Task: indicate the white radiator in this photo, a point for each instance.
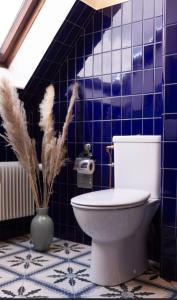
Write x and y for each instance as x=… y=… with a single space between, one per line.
x=16 y=198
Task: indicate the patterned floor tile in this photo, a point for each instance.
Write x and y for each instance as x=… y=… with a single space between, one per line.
x=27 y=262
x=63 y=272
x=152 y=276
x=28 y=289
x=6 y=276
x=7 y=248
x=128 y=290
x=68 y=249
x=84 y=259
x=69 y=277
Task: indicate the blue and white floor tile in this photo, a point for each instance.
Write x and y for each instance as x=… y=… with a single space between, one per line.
x=63 y=272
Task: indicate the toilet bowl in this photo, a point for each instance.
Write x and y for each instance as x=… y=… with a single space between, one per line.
x=117 y=219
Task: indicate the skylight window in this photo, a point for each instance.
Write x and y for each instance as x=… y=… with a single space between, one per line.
x=16 y=19
x=9 y=10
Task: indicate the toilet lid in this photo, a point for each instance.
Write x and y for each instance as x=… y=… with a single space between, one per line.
x=117 y=198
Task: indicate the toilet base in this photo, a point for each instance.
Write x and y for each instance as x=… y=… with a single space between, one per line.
x=117 y=262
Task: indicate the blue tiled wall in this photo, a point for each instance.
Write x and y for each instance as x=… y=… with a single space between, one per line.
x=117 y=60
x=169 y=208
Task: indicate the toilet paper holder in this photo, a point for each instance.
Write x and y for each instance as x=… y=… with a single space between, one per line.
x=85 y=167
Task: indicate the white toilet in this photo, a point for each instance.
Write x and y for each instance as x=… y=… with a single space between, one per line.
x=117 y=219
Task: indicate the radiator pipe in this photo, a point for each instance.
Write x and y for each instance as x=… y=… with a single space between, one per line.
x=109 y=151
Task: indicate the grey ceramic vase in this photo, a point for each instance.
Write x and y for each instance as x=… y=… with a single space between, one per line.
x=42 y=230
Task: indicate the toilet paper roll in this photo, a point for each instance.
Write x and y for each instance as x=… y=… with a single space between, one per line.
x=86 y=166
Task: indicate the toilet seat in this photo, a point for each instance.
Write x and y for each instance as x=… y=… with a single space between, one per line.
x=111 y=198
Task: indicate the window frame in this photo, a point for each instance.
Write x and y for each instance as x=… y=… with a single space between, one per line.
x=19 y=30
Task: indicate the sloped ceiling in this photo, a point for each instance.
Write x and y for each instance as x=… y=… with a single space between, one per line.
x=98 y=4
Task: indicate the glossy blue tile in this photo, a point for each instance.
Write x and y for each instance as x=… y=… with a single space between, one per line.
x=126 y=127
x=137 y=33
x=148 y=104
x=148 y=9
x=137 y=10
x=88 y=134
x=104 y=154
x=158 y=126
x=137 y=82
x=126 y=107
x=63 y=91
x=107 y=109
x=97 y=63
x=116 y=38
x=170 y=127
x=137 y=127
x=88 y=44
x=97 y=110
x=107 y=40
x=80 y=47
x=107 y=18
x=63 y=71
x=107 y=63
x=170 y=69
x=148 y=56
x=106 y=86
x=171 y=42
x=127 y=12
x=169 y=242
x=148 y=31
x=158 y=55
x=80 y=67
x=137 y=106
x=137 y=58
x=148 y=126
x=170 y=179
x=89 y=66
x=116 y=108
x=71 y=132
x=169 y=208
x=96 y=153
x=116 y=84
x=105 y=180
x=107 y=132
x=158 y=29
x=170 y=98
x=171 y=8
x=71 y=68
x=158 y=80
x=117 y=15
x=148 y=81
x=170 y=157
x=126 y=59
x=116 y=128
x=126 y=36
x=96 y=132
x=158 y=7
x=158 y=105
x=98 y=176
x=126 y=84
x=88 y=110
x=89 y=27
x=88 y=88
x=168 y=268
x=97 y=87
x=98 y=20
x=116 y=61
x=97 y=42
